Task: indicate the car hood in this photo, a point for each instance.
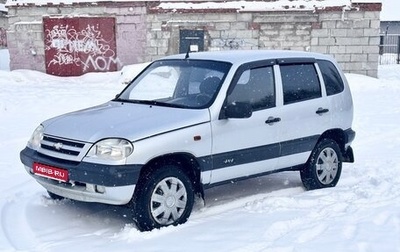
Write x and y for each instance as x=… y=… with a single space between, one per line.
x=122 y=120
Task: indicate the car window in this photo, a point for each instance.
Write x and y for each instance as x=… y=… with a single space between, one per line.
x=255 y=86
x=333 y=81
x=178 y=83
x=165 y=77
x=300 y=82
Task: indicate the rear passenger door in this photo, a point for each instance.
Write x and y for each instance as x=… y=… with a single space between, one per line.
x=304 y=110
x=340 y=105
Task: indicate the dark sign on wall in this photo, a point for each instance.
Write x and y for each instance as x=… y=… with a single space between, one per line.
x=191 y=40
x=74 y=46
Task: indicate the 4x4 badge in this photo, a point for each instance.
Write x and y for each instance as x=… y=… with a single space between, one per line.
x=58 y=146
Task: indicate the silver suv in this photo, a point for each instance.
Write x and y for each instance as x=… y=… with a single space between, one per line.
x=190 y=122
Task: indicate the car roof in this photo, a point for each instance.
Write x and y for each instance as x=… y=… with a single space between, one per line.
x=242 y=56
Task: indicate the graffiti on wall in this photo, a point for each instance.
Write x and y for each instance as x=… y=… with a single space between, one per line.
x=234 y=43
x=3 y=38
x=80 y=45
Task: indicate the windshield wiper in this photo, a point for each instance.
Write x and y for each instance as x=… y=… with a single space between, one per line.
x=151 y=102
x=116 y=99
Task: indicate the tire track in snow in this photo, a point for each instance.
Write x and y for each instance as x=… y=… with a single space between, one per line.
x=318 y=208
x=15 y=225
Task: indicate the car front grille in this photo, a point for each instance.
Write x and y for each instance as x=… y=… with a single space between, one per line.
x=62 y=148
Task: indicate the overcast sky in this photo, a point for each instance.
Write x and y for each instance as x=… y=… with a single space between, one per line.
x=390 y=10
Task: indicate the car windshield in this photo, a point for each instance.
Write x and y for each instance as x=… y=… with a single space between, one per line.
x=177 y=83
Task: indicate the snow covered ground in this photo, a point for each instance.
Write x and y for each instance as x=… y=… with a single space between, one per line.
x=272 y=213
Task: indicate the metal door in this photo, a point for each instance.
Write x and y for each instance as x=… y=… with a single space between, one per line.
x=192 y=40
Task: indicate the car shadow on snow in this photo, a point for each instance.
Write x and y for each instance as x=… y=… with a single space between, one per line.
x=253 y=188
x=91 y=212
x=217 y=199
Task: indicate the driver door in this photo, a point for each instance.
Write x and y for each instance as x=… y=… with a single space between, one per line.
x=243 y=147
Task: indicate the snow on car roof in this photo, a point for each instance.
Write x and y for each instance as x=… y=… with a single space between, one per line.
x=241 y=56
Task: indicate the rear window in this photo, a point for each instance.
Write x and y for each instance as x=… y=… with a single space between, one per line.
x=333 y=81
x=300 y=82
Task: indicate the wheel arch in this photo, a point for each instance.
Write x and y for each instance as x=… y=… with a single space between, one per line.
x=339 y=136
x=186 y=162
x=324 y=166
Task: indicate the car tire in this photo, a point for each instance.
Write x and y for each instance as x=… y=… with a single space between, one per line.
x=324 y=166
x=164 y=197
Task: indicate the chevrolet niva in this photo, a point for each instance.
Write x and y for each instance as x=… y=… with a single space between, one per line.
x=190 y=122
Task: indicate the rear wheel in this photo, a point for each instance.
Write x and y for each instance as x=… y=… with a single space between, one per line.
x=164 y=197
x=324 y=166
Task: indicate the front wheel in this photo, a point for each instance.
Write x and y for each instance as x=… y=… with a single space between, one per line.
x=324 y=166
x=165 y=197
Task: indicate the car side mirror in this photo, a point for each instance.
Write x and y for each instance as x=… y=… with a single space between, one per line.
x=238 y=110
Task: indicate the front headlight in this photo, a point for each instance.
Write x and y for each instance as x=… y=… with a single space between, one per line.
x=37 y=136
x=111 y=149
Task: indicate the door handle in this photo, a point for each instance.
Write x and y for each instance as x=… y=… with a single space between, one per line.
x=271 y=120
x=321 y=111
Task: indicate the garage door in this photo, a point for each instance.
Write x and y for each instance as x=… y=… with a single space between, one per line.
x=78 y=45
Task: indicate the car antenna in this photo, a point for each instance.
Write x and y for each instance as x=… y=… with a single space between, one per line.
x=187 y=52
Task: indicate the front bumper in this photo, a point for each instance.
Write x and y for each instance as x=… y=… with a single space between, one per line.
x=90 y=182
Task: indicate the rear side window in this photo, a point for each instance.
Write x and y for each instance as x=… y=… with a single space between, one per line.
x=333 y=81
x=300 y=82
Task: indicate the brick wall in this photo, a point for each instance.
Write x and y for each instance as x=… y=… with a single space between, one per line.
x=144 y=33
x=26 y=37
x=351 y=36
